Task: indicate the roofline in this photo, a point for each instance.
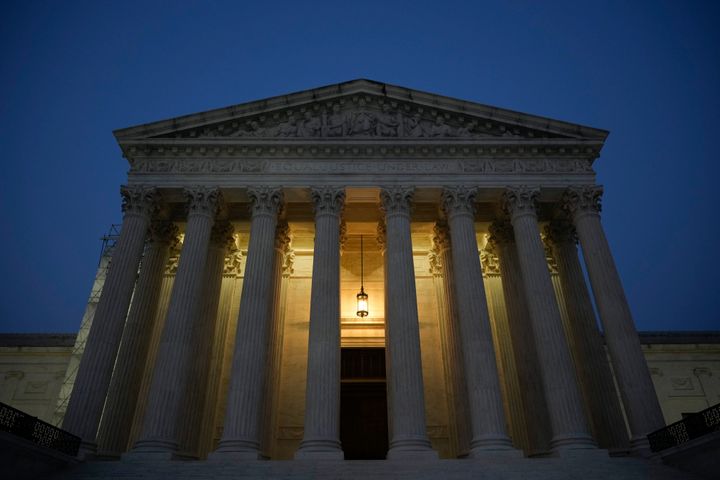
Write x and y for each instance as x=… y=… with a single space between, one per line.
x=374 y=87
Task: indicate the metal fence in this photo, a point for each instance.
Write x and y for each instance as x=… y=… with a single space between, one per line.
x=689 y=428
x=40 y=433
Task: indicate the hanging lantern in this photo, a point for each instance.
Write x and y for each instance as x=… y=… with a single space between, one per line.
x=362 y=298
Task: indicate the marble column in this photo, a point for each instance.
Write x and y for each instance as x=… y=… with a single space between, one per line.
x=636 y=388
x=95 y=371
x=283 y=268
x=242 y=428
x=487 y=415
x=586 y=343
x=203 y=339
x=122 y=398
x=521 y=335
x=321 y=434
x=409 y=435
x=173 y=364
x=442 y=270
x=562 y=394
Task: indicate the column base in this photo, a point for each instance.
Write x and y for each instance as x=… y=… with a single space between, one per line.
x=319 y=449
x=411 y=448
x=487 y=453
x=87 y=451
x=151 y=450
x=232 y=450
x=640 y=447
x=579 y=441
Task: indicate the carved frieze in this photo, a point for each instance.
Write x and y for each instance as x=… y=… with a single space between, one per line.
x=361 y=116
x=489 y=260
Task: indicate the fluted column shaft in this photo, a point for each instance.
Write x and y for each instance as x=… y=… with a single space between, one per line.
x=591 y=361
x=522 y=338
x=173 y=364
x=124 y=389
x=203 y=339
x=481 y=373
x=321 y=436
x=562 y=394
x=283 y=266
x=407 y=413
x=636 y=388
x=243 y=419
x=93 y=377
x=442 y=269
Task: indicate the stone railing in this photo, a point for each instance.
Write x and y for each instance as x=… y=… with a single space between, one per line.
x=40 y=433
x=689 y=428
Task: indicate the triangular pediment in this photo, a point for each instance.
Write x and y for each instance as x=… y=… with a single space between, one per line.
x=360 y=110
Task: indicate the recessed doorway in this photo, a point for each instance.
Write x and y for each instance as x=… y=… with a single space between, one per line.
x=363 y=404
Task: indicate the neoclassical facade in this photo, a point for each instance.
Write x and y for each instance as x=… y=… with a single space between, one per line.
x=226 y=328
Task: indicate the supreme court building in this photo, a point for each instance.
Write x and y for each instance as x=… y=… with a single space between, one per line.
x=228 y=324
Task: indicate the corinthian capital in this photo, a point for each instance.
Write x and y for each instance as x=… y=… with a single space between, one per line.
x=396 y=200
x=582 y=200
x=560 y=231
x=203 y=200
x=517 y=201
x=163 y=232
x=459 y=201
x=139 y=200
x=501 y=233
x=328 y=200
x=265 y=200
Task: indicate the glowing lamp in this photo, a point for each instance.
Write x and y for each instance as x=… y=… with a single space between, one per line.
x=362 y=298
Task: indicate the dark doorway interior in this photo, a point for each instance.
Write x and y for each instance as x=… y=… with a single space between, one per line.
x=363 y=404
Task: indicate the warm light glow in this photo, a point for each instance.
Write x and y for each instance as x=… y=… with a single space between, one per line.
x=362 y=303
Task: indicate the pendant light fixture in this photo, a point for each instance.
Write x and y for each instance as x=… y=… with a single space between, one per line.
x=362 y=298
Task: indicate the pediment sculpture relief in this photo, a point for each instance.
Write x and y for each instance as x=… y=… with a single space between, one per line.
x=362 y=119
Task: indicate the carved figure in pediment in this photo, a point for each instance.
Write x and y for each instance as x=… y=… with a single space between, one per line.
x=335 y=124
x=414 y=126
x=388 y=123
x=362 y=123
x=287 y=129
x=310 y=126
x=467 y=129
x=440 y=128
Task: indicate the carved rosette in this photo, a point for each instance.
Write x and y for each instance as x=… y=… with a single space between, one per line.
x=518 y=201
x=582 y=200
x=459 y=201
x=396 y=200
x=559 y=232
x=265 y=200
x=501 y=233
x=222 y=235
x=140 y=200
x=163 y=232
x=381 y=236
x=328 y=200
x=203 y=200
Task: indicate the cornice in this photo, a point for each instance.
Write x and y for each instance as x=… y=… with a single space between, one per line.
x=360 y=87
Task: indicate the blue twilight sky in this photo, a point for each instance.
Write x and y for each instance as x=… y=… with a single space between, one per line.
x=73 y=71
